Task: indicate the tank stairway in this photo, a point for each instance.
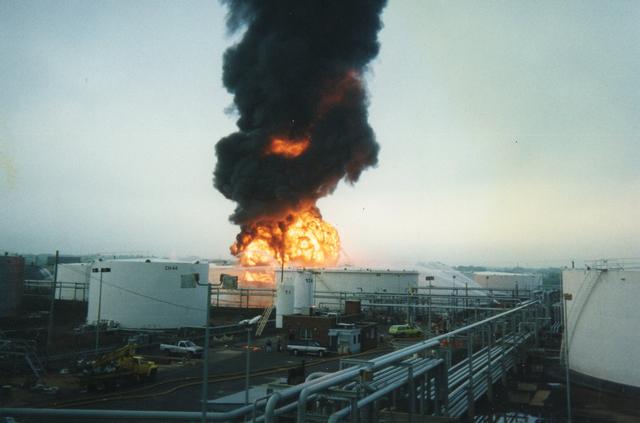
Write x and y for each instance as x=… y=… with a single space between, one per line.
x=26 y=350
x=264 y=319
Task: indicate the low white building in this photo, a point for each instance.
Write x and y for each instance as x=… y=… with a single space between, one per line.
x=152 y=293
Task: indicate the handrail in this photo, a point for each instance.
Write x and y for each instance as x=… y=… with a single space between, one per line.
x=393 y=357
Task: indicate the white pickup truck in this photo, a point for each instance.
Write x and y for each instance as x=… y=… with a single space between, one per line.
x=184 y=347
x=306 y=347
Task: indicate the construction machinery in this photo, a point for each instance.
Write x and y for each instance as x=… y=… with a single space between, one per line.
x=115 y=369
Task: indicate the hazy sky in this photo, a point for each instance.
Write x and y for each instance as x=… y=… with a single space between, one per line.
x=510 y=132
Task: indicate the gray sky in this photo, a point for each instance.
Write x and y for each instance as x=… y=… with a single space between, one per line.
x=509 y=130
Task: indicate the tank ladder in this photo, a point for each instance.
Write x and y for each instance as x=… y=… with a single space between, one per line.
x=264 y=319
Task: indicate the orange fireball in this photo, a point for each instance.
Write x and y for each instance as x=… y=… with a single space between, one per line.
x=288 y=148
x=301 y=238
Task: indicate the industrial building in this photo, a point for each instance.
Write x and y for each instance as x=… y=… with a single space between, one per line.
x=506 y=280
x=603 y=315
x=72 y=282
x=150 y=294
x=11 y=285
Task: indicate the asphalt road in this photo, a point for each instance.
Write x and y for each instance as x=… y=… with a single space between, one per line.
x=173 y=396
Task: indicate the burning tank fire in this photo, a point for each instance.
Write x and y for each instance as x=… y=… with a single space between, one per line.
x=301 y=238
x=287 y=148
x=298 y=86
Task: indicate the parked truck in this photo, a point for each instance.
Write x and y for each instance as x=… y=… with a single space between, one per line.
x=307 y=346
x=184 y=347
x=116 y=368
x=405 y=331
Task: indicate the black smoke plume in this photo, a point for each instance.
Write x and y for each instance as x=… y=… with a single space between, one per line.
x=296 y=74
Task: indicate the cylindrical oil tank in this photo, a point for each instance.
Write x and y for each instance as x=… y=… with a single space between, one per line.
x=439 y=275
x=73 y=281
x=11 y=285
x=303 y=292
x=365 y=280
x=603 y=316
x=285 y=292
x=256 y=280
x=153 y=294
x=508 y=281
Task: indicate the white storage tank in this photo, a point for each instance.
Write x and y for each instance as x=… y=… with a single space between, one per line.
x=257 y=279
x=365 y=280
x=440 y=275
x=285 y=288
x=73 y=281
x=303 y=292
x=510 y=281
x=603 y=317
x=152 y=294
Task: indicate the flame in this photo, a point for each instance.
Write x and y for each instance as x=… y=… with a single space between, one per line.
x=261 y=277
x=302 y=238
x=289 y=148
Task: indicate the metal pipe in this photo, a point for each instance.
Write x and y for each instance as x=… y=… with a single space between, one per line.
x=247 y=367
x=270 y=407
x=350 y=373
x=434 y=306
x=154 y=415
x=316 y=375
x=99 y=309
x=382 y=391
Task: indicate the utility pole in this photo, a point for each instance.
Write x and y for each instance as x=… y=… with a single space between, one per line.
x=101 y=270
x=567 y=297
x=53 y=298
x=248 y=366
x=205 y=364
x=430 y=280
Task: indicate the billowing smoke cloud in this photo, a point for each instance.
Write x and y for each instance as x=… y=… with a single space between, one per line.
x=296 y=74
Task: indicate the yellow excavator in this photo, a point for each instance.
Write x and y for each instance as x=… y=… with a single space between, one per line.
x=115 y=369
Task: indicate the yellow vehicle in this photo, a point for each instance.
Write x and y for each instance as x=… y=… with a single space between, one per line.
x=116 y=368
x=405 y=331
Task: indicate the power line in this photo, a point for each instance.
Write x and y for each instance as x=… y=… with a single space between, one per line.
x=95 y=278
x=152 y=298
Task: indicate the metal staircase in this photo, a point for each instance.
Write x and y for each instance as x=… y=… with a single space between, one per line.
x=264 y=319
x=25 y=349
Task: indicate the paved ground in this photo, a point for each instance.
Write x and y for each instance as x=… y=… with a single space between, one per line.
x=180 y=384
x=221 y=362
